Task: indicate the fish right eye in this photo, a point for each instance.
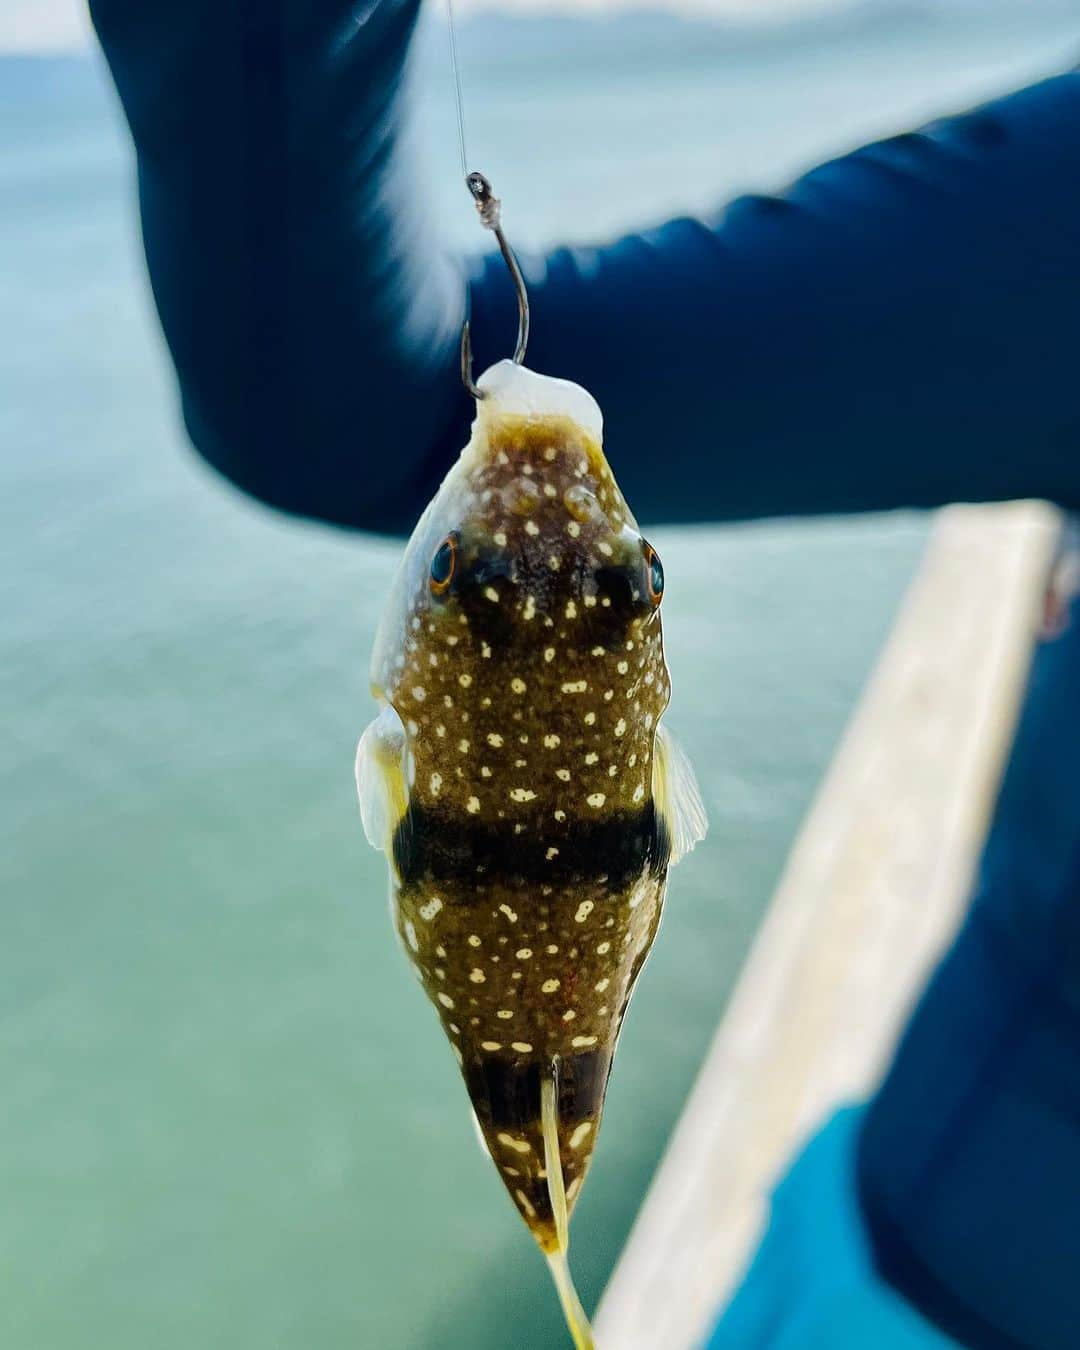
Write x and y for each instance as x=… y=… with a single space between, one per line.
x=443 y=565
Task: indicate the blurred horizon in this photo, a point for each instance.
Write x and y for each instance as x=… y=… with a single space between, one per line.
x=63 y=26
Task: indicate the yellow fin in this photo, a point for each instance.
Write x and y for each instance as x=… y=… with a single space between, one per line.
x=382 y=778
x=677 y=795
x=576 y=1320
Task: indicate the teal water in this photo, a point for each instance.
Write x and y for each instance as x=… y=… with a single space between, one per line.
x=227 y=1116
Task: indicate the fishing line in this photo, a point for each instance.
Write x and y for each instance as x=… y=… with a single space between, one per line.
x=456 y=67
x=489 y=209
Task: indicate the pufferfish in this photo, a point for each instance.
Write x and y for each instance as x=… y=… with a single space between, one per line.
x=521 y=784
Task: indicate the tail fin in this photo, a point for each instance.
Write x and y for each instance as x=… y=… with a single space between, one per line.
x=576 y=1320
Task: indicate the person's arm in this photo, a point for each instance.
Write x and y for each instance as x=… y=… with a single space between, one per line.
x=901 y=327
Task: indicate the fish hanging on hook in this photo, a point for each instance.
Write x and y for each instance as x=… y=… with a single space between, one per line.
x=520 y=781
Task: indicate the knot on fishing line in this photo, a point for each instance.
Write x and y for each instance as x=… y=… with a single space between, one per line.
x=488 y=206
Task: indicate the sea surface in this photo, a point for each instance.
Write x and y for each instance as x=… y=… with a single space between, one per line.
x=227 y=1117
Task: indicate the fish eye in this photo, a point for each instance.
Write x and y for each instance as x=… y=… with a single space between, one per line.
x=654 y=574
x=443 y=564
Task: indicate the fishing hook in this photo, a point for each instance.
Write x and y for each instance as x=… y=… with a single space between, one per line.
x=488 y=207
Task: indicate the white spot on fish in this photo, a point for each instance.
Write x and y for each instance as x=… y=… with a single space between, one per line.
x=494 y=739
x=596 y=799
x=427 y=912
x=580 y=1041
x=520 y=794
x=477 y=976
x=583 y=911
x=410 y=935
x=518 y=1145
x=490 y=1045
x=601 y=985
x=419 y=693
x=603 y=948
x=549 y=986
x=505 y=1014
x=474 y=941
x=445 y=1000
x=522 y=1047
x=551 y=741
x=473 y=805
x=436 y=782
x=464 y=680
x=574 y=686
x=523 y=953
x=505 y=909
x=581 y=1133
x=518 y=685
x=490 y=593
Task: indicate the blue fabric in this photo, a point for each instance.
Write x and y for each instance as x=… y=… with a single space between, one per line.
x=898 y=328
x=969 y=1163
x=813 y=1285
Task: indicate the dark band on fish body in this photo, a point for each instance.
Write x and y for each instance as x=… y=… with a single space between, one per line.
x=449 y=845
x=506 y=1091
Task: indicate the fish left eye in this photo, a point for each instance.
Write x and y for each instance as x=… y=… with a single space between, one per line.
x=443 y=564
x=654 y=572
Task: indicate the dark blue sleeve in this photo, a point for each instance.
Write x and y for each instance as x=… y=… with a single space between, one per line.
x=900 y=327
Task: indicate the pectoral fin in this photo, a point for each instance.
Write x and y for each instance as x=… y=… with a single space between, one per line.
x=677 y=795
x=382 y=778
